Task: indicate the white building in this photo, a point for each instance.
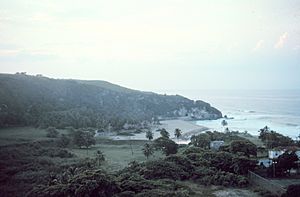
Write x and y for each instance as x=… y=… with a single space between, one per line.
x=215 y=145
x=274 y=154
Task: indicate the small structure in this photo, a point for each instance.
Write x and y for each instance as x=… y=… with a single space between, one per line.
x=215 y=145
x=274 y=154
x=265 y=162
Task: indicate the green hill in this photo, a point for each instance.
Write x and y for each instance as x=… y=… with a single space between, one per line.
x=42 y=101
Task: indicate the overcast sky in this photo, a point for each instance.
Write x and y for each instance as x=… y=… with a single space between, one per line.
x=157 y=44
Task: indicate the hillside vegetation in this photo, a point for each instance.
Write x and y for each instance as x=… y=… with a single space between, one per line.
x=41 y=101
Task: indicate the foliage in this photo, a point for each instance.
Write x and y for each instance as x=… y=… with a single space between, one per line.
x=148 y=150
x=244 y=147
x=177 y=133
x=161 y=169
x=63 y=141
x=149 y=134
x=99 y=157
x=44 y=102
x=284 y=163
x=28 y=164
x=224 y=123
x=292 y=191
x=221 y=136
x=83 y=138
x=273 y=139
x=224 y=178
x=166 y=145
x=89 y=183
x=133 y=184
x=193 y=149
x=202 y=140
x=52 y=132
x=164 y=133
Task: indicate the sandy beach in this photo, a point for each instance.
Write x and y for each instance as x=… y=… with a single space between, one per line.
x=188 y=128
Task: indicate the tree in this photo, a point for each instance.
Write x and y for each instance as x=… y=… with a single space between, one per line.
x=164 y=133
x=224 y=123
x=285 y=162
x=63 y=141
x=202 y=140
x=83 y=138
x=89 y=139
x=99 y=157
x=177 y=133
x=166 y=145
x=52 y=132
x=148 y=150
x=149 y=135
x=227 y=130
x=273 y=139
x=245 y=147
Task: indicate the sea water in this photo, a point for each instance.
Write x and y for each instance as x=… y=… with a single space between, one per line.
x=251 y=110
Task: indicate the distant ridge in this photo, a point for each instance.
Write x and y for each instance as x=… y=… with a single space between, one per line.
x=42 y=101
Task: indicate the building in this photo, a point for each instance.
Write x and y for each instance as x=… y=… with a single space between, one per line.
x=215 y=145
x=274 y=154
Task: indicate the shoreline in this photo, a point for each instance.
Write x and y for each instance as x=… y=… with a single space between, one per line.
x=187 y=127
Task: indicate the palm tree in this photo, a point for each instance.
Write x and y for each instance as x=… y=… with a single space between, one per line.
x=164 y=133
x=148 y=150
x=177 y=133
x=224 y=123
x=227 y=130
x=149 y=135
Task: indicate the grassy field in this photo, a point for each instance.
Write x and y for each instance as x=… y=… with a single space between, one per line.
x=20 y=135
x=118 y=153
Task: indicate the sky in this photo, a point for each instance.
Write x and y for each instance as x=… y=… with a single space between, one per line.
x=155 y=45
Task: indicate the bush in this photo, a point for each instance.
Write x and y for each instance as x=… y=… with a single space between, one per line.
x=52 y=132
x=181 y=161
x=89 y=183
x=225 y=179
x=166 y=145
x=163 y=193
x=193 y=149
x=292 y=191
x=63 y=141
x=161 y=169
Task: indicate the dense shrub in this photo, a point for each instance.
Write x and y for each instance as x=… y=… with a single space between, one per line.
x=52 y=132
x=161 y=169
x=89 y=183
x=163 y=193
x=192 y=149
x=166 y=145
x=292 y=191
x=135 y=183
x=63 y=141
x=225 y=179
x=183 y=162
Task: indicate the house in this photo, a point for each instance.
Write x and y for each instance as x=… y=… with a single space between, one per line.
x=274 y=154
x=215 y=145
x=265 y=162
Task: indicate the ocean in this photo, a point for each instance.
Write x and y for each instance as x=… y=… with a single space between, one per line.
x=251 y=110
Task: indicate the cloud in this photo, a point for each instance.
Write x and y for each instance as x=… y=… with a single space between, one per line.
x=9 y=52
x=259 y=45
x=281 y=41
